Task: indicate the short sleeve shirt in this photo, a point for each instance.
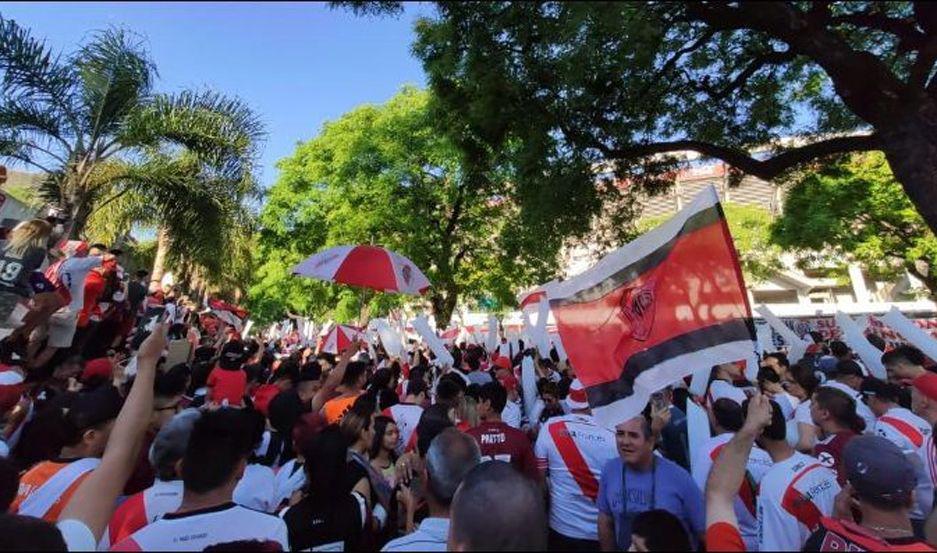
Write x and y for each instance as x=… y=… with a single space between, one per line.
x=667 y=486
x=500 y=442
x=829 y=452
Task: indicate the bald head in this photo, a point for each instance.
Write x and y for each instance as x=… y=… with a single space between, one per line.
x=497 y=509
x=450 y=457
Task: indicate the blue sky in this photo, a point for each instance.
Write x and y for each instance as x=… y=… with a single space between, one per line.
x=297 y=64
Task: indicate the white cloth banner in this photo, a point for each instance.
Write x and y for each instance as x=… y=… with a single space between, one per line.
x=421 y=326
x=529 y=386
x=492 y=341
x=911 y=332
x=392 y=342
x=797 y=346
x=540 y=335
x=870 y=355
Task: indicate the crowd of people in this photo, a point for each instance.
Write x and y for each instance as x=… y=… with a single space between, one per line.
x=130 y=423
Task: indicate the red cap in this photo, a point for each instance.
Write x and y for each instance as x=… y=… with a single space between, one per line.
x=97 y=367
x=509 y=382
x=927 y=385
x=502 y=362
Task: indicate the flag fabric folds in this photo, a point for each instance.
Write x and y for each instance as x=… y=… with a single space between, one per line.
x=656 y=310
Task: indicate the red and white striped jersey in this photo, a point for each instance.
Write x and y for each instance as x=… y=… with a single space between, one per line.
x=795 y=494
x=141 y=509
x=571 y=450
x=903 y=428
x=407 y=416
x=759 y=462
x=910 y=432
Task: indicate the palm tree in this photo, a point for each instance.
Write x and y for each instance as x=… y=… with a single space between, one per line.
x=93 y=124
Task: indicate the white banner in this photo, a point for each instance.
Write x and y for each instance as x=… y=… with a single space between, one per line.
x=421 y=326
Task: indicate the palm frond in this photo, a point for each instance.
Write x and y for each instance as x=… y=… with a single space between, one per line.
x=117 y=76
x=223 y=130
x=29 y=67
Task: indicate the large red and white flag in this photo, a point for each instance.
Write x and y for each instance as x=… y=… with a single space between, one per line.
x=655 y=311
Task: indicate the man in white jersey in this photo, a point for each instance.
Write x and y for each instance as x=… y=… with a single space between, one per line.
x=907 y=431
x=727 y=418
x=796 y=492
x=69 y=277
x=214 y=462
x=165 y=495
x=924 y=405
x=848 y=379
x=406 y=415
x=571 y=451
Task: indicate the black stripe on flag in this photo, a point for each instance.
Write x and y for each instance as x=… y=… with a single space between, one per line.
x=734 y=330
x=697 y=221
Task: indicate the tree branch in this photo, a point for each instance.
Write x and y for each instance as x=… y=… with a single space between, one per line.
x=910 y=38
x=866 y=85
x=763 y=169
x=768 y=58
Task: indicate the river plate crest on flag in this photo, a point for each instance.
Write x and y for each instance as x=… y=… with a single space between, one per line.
x=656 y=310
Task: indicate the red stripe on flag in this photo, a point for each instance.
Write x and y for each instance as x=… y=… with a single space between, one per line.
x=575 y=462
x=909 y=431
x=803 y=509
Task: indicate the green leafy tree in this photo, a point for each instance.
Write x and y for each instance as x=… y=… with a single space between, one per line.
x=386 y=175
x=92 y=122
x=572 y=88
x=857 y=209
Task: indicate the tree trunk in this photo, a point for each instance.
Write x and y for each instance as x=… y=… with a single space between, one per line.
x=911 y=149
x=159 y=263
x=444 y=302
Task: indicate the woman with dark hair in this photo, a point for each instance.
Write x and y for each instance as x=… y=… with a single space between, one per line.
x=800 y=381
x=834 y=412
x=328 y=516
x=283 y=411
x=358 y=428
x=381 y=389
x=383 y=454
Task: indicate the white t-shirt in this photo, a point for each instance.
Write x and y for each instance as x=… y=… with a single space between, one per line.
x=910 y=432
x=861 y=408
x=76 y=535
x=196 y=530
x=758 y=464
x=290 y=478
x=795 y=494
x=719 y=389
x=257 y=489
x=801 y=416
x=511 y=415
x=572 y=450
x=406 y=416
x=72 y=273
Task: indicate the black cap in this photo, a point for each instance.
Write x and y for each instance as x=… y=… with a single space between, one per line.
x=88 y=409
x=232 y=355
x=847 y=368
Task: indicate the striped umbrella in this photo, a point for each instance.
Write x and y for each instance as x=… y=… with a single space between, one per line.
x=367 y=267
x=340 y=338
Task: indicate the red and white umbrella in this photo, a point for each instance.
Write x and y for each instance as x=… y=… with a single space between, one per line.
x=366 y=266
x=340 y=338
